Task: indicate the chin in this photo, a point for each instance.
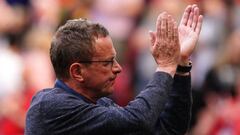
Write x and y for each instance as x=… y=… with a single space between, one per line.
x=108 y=92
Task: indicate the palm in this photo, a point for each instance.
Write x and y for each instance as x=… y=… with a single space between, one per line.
x=189 y=30
x=187 y=39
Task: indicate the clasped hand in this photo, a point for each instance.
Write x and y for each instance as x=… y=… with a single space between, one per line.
x=172 y=45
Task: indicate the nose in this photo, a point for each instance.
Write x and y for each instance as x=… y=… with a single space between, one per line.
x=116 y=68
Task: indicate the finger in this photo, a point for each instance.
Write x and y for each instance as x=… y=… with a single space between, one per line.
x=164 y=25
x=170 y=27
x=190 y=19
x=194 y=5
x=199 y=24
x=158 y=25
x=152 y=37
x=175 y=32
x=186 y=15
x=173 y=29
x=195 y=17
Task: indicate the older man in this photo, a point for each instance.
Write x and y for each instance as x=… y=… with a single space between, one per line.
x=83 y=58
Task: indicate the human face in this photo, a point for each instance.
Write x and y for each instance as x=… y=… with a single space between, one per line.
x=100 y=75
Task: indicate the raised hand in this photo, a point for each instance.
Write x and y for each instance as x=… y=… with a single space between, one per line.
x=189 y=30
x=165 y=46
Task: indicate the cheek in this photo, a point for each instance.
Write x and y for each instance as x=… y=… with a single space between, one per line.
x=104 y=74
x=101 y=79
x=108 y=88
x=105 y=82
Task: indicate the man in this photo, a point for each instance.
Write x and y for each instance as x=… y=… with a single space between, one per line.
x=83 y=58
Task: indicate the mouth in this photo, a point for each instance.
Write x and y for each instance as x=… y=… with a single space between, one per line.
x=112 y=80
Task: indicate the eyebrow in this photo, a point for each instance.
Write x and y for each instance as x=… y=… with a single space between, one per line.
x=108 y=58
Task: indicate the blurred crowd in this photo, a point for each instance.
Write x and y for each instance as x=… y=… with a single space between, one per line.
x=27 y=26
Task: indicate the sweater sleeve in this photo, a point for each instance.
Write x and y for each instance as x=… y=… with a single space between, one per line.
x=175 y=119
x=69 y=116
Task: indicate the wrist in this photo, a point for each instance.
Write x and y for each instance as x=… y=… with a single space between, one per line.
x=184 y=61
x=170 y=70
x=183 y=74
x=184 y=68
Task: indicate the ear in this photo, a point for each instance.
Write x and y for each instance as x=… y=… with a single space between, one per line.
x=75 y=72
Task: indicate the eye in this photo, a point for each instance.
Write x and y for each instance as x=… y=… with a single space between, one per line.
x=107 y=63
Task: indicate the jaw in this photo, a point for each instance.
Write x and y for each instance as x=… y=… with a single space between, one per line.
x=95 y=94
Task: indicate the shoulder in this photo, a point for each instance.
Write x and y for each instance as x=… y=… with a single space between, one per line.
x=52 y=105
x=52 y=95
x=56 y=97
x=53 y=100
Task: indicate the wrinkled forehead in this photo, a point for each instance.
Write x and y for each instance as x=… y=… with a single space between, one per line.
x=104 y=48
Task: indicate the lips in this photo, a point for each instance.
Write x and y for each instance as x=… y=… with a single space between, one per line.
x=113 y=78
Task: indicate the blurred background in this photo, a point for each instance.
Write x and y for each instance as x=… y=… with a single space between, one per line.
x=27 y=26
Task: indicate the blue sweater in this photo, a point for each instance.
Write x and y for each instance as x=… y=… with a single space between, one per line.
x=162 y=108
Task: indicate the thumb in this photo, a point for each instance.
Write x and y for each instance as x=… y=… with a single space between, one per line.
x=152 y=37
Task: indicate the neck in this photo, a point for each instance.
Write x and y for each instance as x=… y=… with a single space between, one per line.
x=84 y=92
